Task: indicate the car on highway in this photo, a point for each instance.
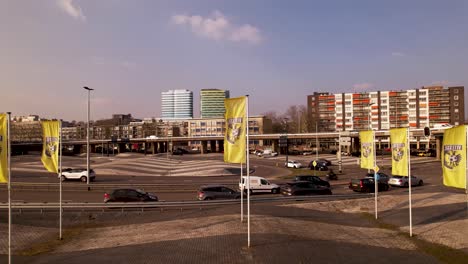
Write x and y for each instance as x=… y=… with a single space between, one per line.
x=304 y=188
x=178 y=152
x=77 y=174
x=258 y=184
x=313 y=179
x=212 y=192
x=380 y=176
x=129 y=195
x=293 y=164
x=367 y=185
x=403 y=181
x=323 y=162
x=318 y=166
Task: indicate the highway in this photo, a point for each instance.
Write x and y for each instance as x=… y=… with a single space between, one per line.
x=175 y=179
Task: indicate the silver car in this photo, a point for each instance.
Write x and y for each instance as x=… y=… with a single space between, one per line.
x=403 y=181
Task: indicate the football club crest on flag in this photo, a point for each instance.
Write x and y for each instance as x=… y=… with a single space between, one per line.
x=399 y=143
x=50 y=149
x=235 y=137
x=367 y=149
x=3 y=149
x=454 y=157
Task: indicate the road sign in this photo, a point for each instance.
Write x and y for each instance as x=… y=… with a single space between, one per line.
x=376 y=168
x=314 y=163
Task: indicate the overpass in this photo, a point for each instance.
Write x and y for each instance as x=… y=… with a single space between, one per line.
x=162 y=144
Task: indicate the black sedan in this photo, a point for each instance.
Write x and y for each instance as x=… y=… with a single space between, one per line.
x=367 y=185
x=318 y=166
x=304 y=188
x=313 y=179
x=129 y=195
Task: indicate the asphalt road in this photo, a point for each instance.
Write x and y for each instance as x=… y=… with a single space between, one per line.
x=270 y=168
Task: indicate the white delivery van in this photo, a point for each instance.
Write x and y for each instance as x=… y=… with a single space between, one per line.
x=258 y=184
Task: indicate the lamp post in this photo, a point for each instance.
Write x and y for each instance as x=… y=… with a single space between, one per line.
x=287 y=141
x=87 y=135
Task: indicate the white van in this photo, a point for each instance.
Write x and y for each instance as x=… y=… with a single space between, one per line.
x=258 y=184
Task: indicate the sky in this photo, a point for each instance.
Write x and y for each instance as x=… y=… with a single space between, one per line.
x=277 y=52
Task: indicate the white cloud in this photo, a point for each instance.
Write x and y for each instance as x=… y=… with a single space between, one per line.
x=363 y=86
x=73 y=10
x=218 y=27
x=398 y=54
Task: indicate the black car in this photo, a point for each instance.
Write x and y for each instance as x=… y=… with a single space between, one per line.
x=367 y=185
x=380 y=176
x=129 y=195
x=177 y=152
x=324 y=162
x=313 y=179
x=320 y=166
x=304 y=188
x=212 y=192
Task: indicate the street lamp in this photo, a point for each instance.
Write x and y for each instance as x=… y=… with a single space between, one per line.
x=285 y=120
x=87 y=136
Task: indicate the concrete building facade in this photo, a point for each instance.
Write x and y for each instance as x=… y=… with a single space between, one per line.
x=381 y=110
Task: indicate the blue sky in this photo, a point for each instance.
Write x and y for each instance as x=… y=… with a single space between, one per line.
x=278 y=52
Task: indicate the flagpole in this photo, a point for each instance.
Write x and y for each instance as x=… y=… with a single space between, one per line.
x=9 y=185
x=248 y=171
x=409 y=180
x=376 y=190
x=242 y=193
x=466 y=174
x=60 y=178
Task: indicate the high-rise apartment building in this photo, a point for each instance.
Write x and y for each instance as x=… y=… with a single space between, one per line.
x=415 y=108
x=177 y=104
x=212 y=103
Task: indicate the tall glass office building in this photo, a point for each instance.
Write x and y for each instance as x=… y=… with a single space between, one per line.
x=212 y=103
x=177 y=104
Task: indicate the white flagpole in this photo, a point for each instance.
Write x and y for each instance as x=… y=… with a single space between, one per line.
x=466 y=174
x=248 y=172
x=242 y=193
x=375 y=174
x=409 y=180
x=60 y=178
x=9 y=185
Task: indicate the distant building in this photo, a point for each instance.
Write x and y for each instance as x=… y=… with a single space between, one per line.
x=382 y=110
x=177 y=104
x=212 y=103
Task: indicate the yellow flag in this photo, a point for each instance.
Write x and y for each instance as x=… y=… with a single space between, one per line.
x=367 y=149
x=50 y=149
x=454 y=157
x=234 y=139
x=3 y=149
x=399 y=142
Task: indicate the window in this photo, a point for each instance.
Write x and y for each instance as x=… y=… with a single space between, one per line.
x=264 y=182
x=456 y=110
x=384 y=101
x=455 y=97
x=203 y=124
x=456 y=91
x=455 y=104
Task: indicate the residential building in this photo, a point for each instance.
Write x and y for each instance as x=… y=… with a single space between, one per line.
x=381 y=110
x=177 y=104
x=203 y=127
x=212 y=103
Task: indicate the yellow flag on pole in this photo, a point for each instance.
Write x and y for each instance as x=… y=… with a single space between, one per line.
x=3 y=148
x=454 y=157
x=236 y=123
x=50 y=149
x=367 y=149
x=399 y=142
